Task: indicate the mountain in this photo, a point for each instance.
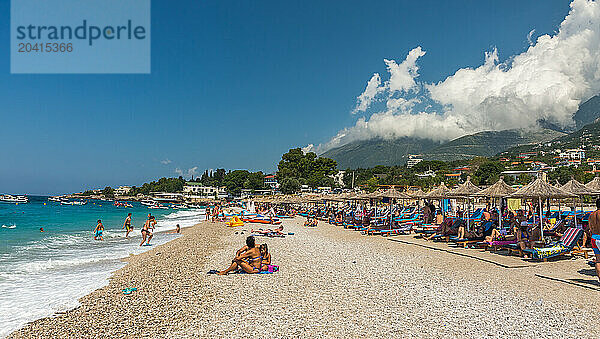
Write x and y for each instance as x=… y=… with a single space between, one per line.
x=488 y=143
x=587 y=113
x=369 y=153
x=374 y=152
x=586 y=138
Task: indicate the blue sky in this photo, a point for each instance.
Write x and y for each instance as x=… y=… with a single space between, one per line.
x=235 y=85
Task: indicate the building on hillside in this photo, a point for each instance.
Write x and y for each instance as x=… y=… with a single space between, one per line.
x=527 y=155
x=305 y=188
x=413 y=159
x=515 y=174
x=428 y=173
x=122 y=190
x=193 y=189
x=271 y=181
x=338 y=178
x=573 y=154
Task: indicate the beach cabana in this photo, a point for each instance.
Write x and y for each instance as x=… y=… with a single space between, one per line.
x=540 y=189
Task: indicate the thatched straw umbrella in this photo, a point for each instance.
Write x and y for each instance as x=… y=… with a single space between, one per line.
x=418 y=194
x=465 y=190
x=594 y=184
x=540 y=189
x=498 y=190
x=441 y=192
x=579 y=189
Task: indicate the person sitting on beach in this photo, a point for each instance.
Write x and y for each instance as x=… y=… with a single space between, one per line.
x=475 y=233
x=177 y=230
x=248 y=258
x=127 y=225
x=98 y=231
x=266 y=257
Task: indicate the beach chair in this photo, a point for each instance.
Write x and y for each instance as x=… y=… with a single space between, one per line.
x=467 y=241
x=563 y=246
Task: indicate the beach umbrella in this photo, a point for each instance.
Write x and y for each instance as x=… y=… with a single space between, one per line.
x=579 y=189
x=394 y=194
x=540 y=189
x=465 y=190
x=441 y=192
x=418 y=194
x=498 y=190
x=594 y=184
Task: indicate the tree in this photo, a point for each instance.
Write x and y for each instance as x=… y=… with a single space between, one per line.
x=108 y=192
x=488 y=172
x=306 y=168
x=372 y=184
x=289 y=186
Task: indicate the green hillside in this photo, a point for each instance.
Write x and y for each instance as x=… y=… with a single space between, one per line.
x=488 y=143
x=369 y=153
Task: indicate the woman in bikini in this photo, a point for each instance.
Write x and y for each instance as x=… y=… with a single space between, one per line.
x=146 y=229
x=266 y=257
x=248 y=258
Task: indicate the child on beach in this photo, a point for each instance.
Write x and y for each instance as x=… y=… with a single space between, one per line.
x=176 y=231
x=127 y=225
x=98 y=231
x=266 y=257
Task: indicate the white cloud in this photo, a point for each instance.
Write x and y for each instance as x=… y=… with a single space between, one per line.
x=547 y=81
x=187 y=173
x=165 y=162
x=364 y=100
x=530 y=37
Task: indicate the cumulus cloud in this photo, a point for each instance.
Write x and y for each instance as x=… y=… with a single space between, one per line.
x=546 y=82
x=364 y=100
x=187 y=173
x=165 y=162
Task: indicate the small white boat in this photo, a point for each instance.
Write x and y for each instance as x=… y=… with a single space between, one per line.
x=148 y=202
x=55 y=199
x=80 y=203
x=14 y=198
x=67 y=203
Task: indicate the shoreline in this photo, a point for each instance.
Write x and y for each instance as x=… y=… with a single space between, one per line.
x=112 y=289
x=334 y=283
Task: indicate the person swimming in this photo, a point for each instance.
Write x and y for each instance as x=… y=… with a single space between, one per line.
x=98 y=231
x=41 y=229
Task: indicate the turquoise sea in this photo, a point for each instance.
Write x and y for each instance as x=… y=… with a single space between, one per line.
x=45 y=273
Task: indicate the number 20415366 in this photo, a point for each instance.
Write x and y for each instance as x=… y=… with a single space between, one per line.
x=49 y=47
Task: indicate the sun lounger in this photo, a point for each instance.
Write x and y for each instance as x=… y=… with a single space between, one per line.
x=564 y=246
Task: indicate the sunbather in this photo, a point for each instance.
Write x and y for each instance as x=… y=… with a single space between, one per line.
x=269 y=232
x=266 y=257
x=248 y=258
x=476 y=232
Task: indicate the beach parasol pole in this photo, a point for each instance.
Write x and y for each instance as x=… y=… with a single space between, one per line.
x=541 y=224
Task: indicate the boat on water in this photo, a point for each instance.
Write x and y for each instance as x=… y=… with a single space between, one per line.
x=80 y=203
x=148 y=202
x=55 y=199
x=14 y=198
x=159 y=206
x=67 y=203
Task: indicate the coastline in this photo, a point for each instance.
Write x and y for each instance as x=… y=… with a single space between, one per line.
x=332 y=283
x=139 y=271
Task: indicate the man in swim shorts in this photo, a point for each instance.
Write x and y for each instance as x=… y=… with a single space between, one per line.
x=127 y=225
x=594 y=224
x=98 y=231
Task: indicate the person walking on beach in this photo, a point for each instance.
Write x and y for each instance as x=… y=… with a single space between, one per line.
x=98 y=231
x=594 y=224
x=146 y=230
x=127 y=225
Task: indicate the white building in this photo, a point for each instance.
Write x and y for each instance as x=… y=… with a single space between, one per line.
x=573 y=154
x=197 y=190
x=413 y=160
x=338 y=178
x=122 y=190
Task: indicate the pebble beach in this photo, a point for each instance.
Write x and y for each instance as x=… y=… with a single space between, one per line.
x=332 y=283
